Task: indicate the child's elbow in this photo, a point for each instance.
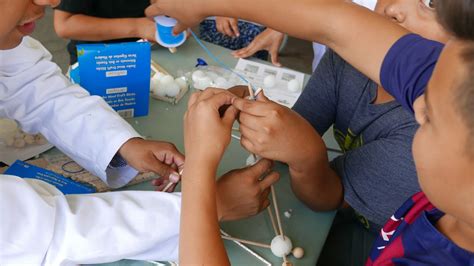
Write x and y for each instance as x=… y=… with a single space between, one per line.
x=60 y=25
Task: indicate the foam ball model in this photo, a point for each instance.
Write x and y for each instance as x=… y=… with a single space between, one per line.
x=269 y=81
x=172 y=90
x=281 y=246
x=298 y=252
x=198 y=75
x=293 y=85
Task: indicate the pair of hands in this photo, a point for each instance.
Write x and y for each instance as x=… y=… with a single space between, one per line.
x=269 y=40
x=190 y=14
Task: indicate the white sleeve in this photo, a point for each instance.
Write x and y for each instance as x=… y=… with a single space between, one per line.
x=39 y=225
x=34 y=92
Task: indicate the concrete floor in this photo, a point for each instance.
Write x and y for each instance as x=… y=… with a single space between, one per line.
x=296 y=55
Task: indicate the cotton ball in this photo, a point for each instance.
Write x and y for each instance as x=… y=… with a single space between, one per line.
x=269 y=81
x=298 y=252
x=19 y=143
x=281 y=246
x=8 y=128
x=198 y=75
x=293 y=85
x=29 y=139
x=221 y=82
x=172 y=90
x=181 y=83
x=212 y=75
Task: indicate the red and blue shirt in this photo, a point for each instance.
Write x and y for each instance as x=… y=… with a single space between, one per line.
x=411 y=238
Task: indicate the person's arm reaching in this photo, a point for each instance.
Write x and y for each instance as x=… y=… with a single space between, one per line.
x=205 y=142
x=87 y=28
x=350 y=30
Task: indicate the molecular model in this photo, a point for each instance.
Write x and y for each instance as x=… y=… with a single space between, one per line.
x=281 y=245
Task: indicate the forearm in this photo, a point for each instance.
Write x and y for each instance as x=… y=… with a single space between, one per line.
x=351 y=31
x=200 y=235
x=314 y=182
x=87 y=28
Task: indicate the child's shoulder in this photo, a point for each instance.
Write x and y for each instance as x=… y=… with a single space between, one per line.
x=410 y=237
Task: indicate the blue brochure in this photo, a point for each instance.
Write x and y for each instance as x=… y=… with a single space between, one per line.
x=119 y=73
x=65 y=185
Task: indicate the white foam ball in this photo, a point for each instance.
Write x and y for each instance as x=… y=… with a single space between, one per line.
x=221 y=82
x=29 y=139
x=166 y=80
x=19 y=143
x=172 y=90
x=157 y=88
x=181 y=83
x=40 y=139
x=269 y=81
x=281 y=246
x=203 y=84
x=198 y=75
x=298 y=252
x=293 y=85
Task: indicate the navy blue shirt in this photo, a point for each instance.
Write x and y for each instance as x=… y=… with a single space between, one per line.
x=377 y=169
x=408 y=67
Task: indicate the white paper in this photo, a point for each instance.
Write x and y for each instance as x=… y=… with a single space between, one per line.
x=256 y=72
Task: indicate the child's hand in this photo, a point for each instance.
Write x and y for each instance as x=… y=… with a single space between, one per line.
x=146 y=29
x=228 y=26
x=206 y=133
x=188 y=13
x=274 y=131
x=243 y=193
x=269 y=40
x=148 y=156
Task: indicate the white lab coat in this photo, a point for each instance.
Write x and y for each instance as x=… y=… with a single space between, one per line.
x=38 y=224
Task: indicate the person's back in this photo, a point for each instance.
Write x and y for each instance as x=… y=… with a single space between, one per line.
x=108 y=21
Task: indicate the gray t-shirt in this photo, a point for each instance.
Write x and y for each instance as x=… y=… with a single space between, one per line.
x=377 y=168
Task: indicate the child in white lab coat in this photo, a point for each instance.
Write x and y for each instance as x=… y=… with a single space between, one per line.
x=40 y=225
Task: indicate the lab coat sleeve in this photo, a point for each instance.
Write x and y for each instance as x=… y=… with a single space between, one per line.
x=34 y=92
x=39 y=225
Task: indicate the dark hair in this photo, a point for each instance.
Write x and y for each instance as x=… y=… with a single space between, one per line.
x=457 y=17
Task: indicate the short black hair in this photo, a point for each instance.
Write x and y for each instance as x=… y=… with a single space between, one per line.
x=457 y=17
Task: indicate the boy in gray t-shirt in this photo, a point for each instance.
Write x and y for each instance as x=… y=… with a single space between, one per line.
x=377 y=169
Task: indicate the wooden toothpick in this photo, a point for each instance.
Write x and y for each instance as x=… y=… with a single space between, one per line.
x=272 y=219
x=253 y=243
x=277 y=212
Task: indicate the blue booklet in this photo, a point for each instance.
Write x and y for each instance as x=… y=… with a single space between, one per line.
x=65 y=185
x=119 y=73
